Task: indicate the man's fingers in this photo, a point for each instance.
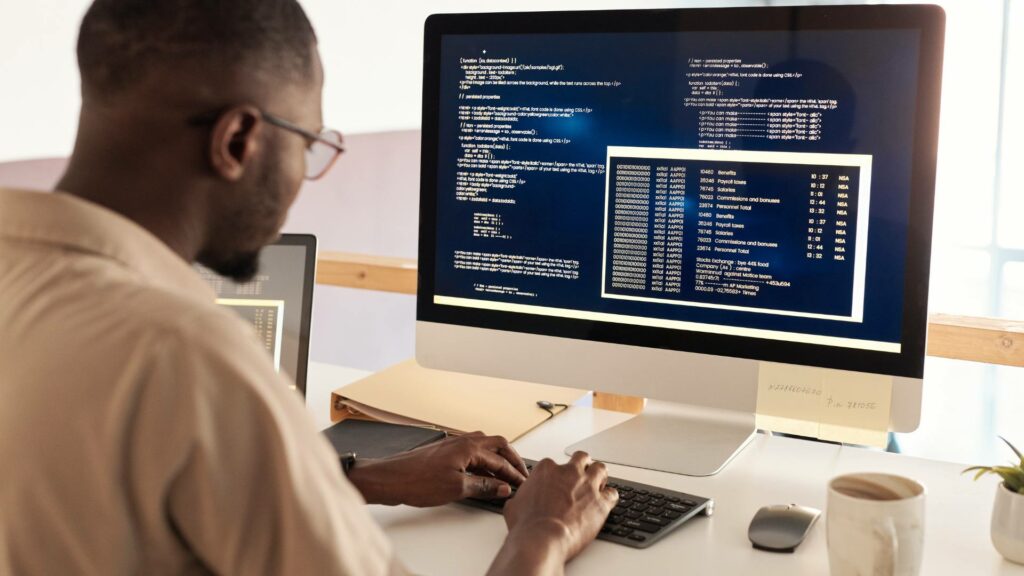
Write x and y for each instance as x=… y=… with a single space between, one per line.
x=610 y=496
x=485 y=460
x=580 y=460
x=484 y=487
x=502 y=447
x=598 y=473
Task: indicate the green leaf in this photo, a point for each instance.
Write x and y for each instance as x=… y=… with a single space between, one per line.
x=1020 y=457
x=981 y=471
x=1013 y=477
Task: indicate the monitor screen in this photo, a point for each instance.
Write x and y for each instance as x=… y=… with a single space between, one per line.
x=277 y=301
x=735 y=190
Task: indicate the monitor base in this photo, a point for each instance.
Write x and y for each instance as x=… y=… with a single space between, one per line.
x=676 y=438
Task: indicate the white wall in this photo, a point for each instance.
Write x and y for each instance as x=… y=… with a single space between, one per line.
x=372 y=53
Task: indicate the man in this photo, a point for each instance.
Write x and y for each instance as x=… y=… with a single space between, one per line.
x=142 y=429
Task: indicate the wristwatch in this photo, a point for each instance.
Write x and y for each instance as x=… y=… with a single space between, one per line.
x=348 y=461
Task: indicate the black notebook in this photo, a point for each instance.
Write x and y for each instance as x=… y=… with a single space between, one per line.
x=370 y=439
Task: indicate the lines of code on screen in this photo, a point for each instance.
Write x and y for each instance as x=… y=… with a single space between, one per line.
x=751 y=180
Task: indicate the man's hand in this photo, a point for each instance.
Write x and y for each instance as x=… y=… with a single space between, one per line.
x=469 y=466
x=554 y=515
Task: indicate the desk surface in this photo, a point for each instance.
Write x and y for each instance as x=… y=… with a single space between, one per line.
x=771 y=470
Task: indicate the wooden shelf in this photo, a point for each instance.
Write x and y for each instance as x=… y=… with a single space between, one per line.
x=989 y=340
x=382 y=273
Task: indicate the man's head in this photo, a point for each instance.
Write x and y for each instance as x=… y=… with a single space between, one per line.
x=174 y=132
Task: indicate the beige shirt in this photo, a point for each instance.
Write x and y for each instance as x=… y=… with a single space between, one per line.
x=143 y=430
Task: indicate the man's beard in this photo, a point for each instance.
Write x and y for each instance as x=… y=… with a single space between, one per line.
x=240 y=267
x=245 y=223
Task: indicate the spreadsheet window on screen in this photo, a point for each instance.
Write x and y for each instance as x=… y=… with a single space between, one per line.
x=755 y=183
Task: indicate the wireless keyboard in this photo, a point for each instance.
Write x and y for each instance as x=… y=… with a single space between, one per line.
x=644 y=514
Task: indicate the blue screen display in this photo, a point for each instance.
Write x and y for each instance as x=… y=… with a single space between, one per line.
x=745 y=180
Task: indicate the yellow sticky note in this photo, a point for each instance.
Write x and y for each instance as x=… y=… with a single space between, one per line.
x=789 y=399
x=856 y=407
x=836 y=405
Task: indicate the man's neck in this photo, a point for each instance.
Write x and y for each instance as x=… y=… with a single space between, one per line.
x=149 y=201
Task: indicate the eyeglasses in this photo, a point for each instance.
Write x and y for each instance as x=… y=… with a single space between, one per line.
x=322 y=150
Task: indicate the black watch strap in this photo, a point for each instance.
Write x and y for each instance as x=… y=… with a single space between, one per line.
x=348 y=461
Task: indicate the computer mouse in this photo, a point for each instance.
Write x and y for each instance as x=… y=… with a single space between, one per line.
x=781 y=528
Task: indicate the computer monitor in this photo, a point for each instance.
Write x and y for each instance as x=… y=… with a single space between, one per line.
x=654 y=203
x=278 y=302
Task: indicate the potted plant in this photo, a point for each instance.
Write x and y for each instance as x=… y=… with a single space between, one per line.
x=1008 y=511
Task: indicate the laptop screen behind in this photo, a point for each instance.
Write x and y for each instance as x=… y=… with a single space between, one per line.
x=277 y=301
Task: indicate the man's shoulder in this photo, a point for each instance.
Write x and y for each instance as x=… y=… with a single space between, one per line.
x=170 y=314
x=91 y=303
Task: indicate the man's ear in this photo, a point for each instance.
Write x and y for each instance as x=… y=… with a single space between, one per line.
x=234 y=141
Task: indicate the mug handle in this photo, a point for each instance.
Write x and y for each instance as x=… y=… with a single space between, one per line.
x=886 y=533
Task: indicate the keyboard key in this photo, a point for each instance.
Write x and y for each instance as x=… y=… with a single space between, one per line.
x=625 y=495
x=673 y=499
x=623 y=532
x=679 y=508
x=645 y=526
x=639 y=507
x=643 y=492
x=614 y=519
x=690 y=503
x=637 y=537
x=634 y=524
x=644 y=499
x=634 y=515
x=655 y=511
x=624 y=488
x=654 y=520
x=671 y=515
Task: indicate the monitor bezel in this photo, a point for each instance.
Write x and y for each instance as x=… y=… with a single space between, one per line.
x=307 y=241
x=928 y=20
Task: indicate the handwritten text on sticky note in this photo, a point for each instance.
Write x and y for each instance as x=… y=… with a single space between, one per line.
x=829 y=404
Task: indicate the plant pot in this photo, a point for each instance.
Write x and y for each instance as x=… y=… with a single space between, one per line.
x=1008 y=524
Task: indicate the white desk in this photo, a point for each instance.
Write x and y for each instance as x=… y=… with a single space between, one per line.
x=454 y=540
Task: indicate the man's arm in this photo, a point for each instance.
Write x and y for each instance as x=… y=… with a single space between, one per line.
x=469 y=466
x=247 y=482
x=554 y=516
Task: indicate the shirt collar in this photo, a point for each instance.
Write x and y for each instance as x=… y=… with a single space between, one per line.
x=73 y=223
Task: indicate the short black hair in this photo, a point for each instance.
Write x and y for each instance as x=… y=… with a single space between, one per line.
x=121 y=41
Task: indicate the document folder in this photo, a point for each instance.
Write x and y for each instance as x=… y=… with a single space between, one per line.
x=451 y=401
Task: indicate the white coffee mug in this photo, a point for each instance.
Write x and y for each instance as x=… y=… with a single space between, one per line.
x=875 y=525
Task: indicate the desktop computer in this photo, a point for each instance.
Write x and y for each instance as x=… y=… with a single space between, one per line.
x=659 y=202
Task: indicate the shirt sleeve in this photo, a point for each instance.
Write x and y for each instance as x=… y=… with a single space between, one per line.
x=246 y=480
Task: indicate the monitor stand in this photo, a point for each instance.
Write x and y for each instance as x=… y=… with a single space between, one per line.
x=671 y=437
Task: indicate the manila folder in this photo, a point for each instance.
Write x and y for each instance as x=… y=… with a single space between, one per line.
x=453 y=401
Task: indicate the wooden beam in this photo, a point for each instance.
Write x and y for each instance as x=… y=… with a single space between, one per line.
x=989 y=340
x=619 y=403
x=367 y=272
